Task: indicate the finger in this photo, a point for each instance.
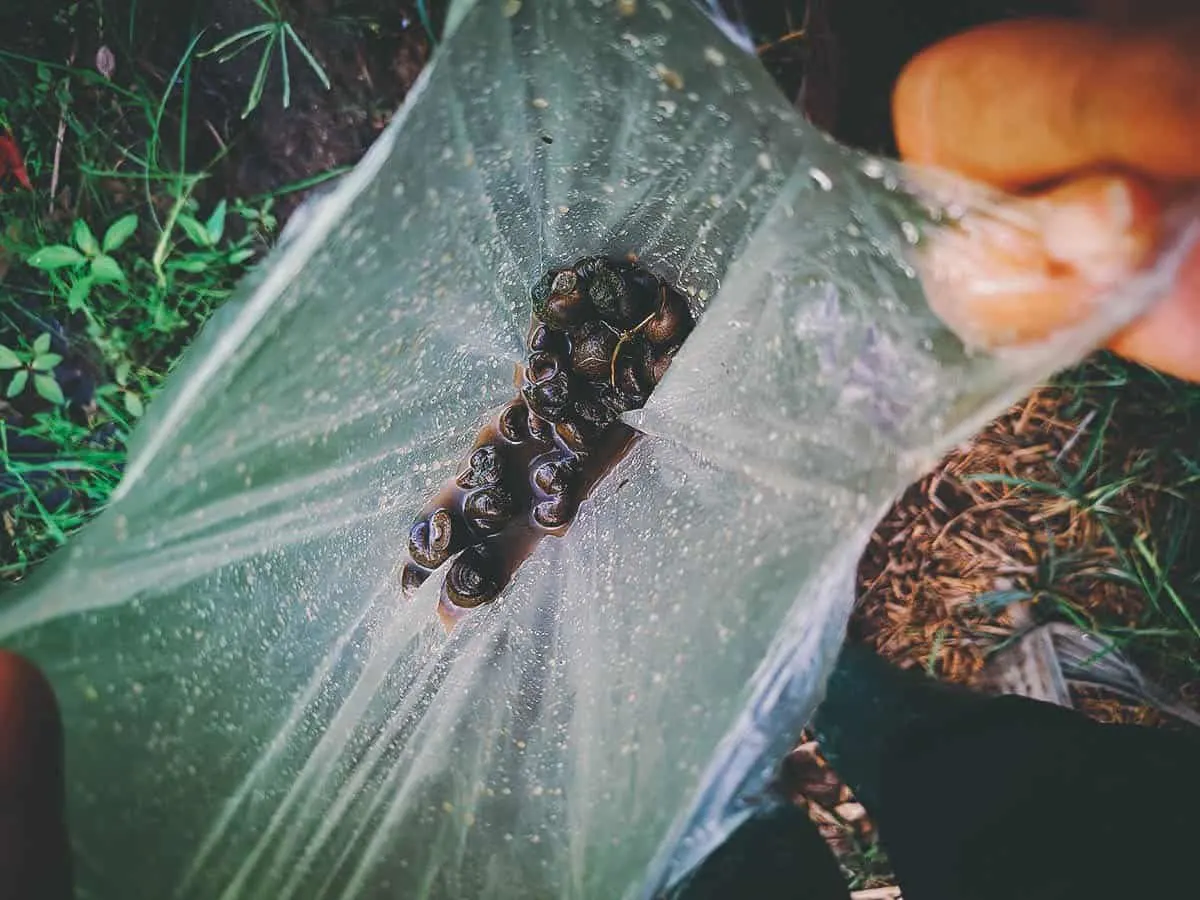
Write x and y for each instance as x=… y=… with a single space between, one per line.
x=1024 y=102
x=34 y=852
x=1168 y=337
x=1019 y=274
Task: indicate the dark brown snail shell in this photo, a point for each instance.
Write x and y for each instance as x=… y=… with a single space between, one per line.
x=592 y=349
x=542 y=365
x=632 y=379
x=658 y=365
x=540 y=430
x=411 y=578
x=514 y=422
x=576 y=435
x=556 y=512
x=672 y=321
x=557 y=476
x=486 y=468
x=489 y=509
x=549 y=399
x=471 y=581
x=560 y=302
x=430 y=539
x=606 y=288
x=542 y=337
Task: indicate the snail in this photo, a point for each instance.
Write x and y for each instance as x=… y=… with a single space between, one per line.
x=539 y=429
x=556 y=512
x=542 y=365
x=471 y=580
x=605 y=287
x=558 y=301
x=514 y=422
x=672 y=322
x=430 y=539
x=550 y=398
x=592 y=350
x=411 y=578
x=485 y=468
x=558 y=475
x=489 y=509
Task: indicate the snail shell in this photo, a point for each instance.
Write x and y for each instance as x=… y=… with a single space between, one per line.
x=486 y=468
x=549 y=399
x=606 y=288
x=540 y=430
x=471 y=581
x=631 y=376
x=672 y=321
x=592 y=350
x=556 y=512
x=558 y=300
x=489 y=509
x=576 y=435
x=542 y=338
x=557 y=476
x=429 y=539
x=659 y=363
x=542 y=365
x=514 y=422
x=411 y=578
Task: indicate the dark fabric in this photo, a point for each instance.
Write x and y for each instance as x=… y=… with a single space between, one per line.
x=778 y=855
x=980 y=798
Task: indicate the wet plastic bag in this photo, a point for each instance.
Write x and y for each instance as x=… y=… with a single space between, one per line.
x=252 y=709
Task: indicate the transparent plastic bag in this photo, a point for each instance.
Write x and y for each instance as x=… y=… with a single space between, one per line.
x=251 y=707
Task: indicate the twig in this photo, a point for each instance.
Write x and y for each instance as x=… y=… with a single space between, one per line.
x=58 y=141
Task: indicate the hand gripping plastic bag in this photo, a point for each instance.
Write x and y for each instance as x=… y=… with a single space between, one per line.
x=252 y=709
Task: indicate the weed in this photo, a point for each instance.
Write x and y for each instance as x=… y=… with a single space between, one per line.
x=108 y=266
x=277 y=33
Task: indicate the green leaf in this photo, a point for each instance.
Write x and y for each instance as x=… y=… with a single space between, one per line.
x=119 y=232
x=237 y=257
x=48 y=389
x=106 y=269
x=19 y=379
x=42 y=344
x=308 y=57
x=79 y=293
x=215 y=226
x=46 y=362
x=260 y=76
x=251 y=36
x=192 y=264
x=122 y=373
x=8 y=359
x=195 y=231
x=56 y=256
x=84 y=239
x=133 y=405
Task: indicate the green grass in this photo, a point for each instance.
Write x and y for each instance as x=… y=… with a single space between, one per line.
x=1136 y=475
x=108 y=268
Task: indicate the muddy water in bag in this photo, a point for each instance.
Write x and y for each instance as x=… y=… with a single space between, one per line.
x=254 y=704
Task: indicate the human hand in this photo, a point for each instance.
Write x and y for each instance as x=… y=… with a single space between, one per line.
x=34 y=852
x=1101 y=125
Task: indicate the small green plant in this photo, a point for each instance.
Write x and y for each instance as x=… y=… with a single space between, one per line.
x=277 y=32
x=89 y=261
x=35 y=366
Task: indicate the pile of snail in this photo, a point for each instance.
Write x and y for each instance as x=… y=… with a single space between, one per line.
x=604 y=332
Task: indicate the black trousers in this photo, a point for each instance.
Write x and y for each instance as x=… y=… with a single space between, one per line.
x=980 y=798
